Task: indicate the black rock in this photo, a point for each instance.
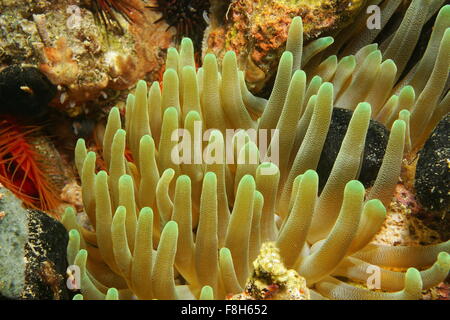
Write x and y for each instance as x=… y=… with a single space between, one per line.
x=33 y=259
x=25 y=92
x=45 y=252
x=376 y=142
x=433 y=169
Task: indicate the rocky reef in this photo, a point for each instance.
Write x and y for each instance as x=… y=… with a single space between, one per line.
x=90 y=62
x=257 y=30
x=33 y=259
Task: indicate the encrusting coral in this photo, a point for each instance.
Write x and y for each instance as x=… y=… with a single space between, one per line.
x=257 y=31
x=208 y=218
x=271 y=280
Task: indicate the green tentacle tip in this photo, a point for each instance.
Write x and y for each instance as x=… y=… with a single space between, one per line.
x=78 y=297
x=296 y=22
x=375 y=206
x=299 y=75
x=193 y=115
x=172 y=53
x=145 y=217
x=207 y=293
x=209 y=58
x=268 y=168
x=371 y=47
x=91 y=156
x=120 y=133
x=446 y=35
x=141 y=85
x=316 y=80
x=80 y=143
x=354 y=187
x=114 y=110
x=68 y=212
x=267 y=165
x=229 y=55
x=169 y=172
x=444 y=14
x=120 y=213
x=310 y=176
x=225 y=253
x=247 y=181
x=74 y=235
x=80 y=259
x=186 y=42
x=326 y=88
x=112 y=294
x=125 y=181
x=184 y=179
x=130 y=98
x=407 y=89
x=404 y=114
x=146 y=212
x=363 y=107
x=147 y=141
x=398 y=125
x=188 y=69
x=102 y=174
x=170 y=75
x=171 y=227
x=171 y=112
x=413 y=280
x=326 y=41
x=259 y=197
x=118 y=219
x=172 y=50
x=376 y=55
x=349 y=59
x=210 y=176
x=286 y=57
x=391 y=62
x=444 y=260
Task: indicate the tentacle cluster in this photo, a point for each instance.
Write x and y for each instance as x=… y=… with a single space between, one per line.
x=208 y=218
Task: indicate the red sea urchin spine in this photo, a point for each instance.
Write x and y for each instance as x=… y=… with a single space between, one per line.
x=22 y=168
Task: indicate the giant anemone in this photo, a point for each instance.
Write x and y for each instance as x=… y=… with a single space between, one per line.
x=166 y=229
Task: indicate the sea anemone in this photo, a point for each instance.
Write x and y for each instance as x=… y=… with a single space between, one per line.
x=211 y=222
x=391 y=86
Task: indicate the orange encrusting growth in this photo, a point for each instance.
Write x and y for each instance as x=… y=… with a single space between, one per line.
x=22 y=168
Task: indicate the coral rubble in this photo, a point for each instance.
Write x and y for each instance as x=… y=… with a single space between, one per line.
x=271 y=280
x=85 y=59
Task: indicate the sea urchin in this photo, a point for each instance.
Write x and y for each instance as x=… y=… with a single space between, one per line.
x=107 y=11
x=187 y=16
